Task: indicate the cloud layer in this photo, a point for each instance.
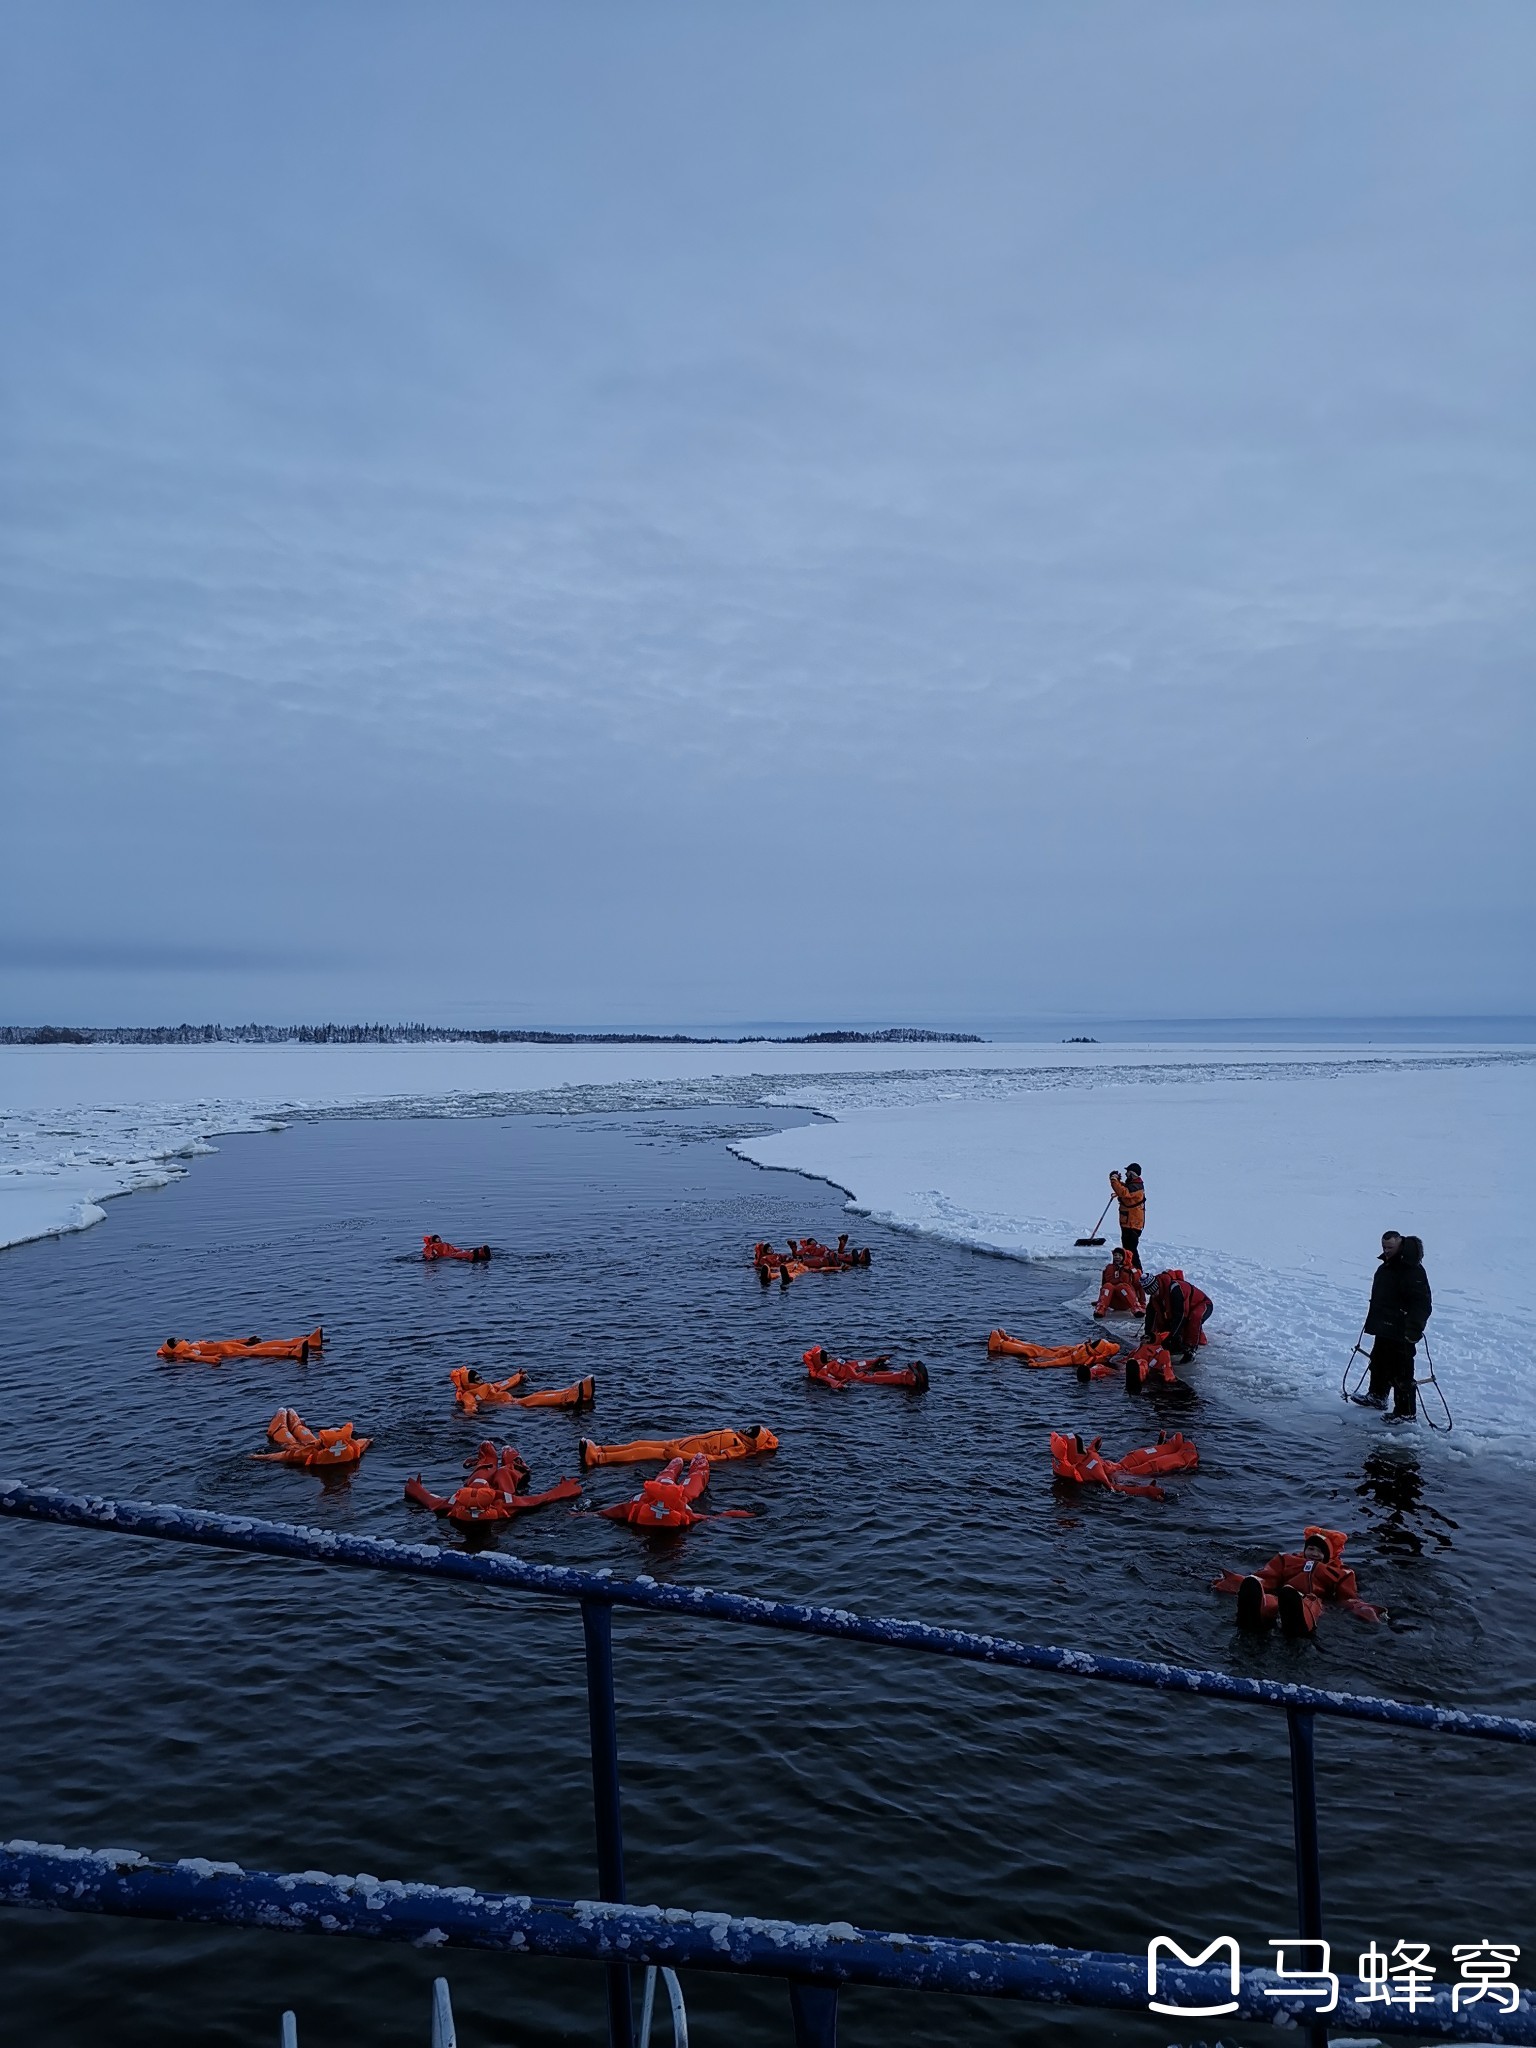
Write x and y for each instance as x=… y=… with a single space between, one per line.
x=628 y=515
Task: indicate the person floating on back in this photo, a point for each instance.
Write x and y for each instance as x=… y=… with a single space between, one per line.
x=1401 y=1305
x=1176 y=1314
x=1132 y=1197
x=1121 y=1291
x=1292 y=1587
x=435 y=1247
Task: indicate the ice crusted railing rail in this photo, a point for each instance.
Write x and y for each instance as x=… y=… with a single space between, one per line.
x=816 y=1959
x=419 y=1560
x=835 y=1953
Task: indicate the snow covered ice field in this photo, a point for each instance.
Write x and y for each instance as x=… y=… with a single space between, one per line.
x=1268 y=1183
x=1271 y=1171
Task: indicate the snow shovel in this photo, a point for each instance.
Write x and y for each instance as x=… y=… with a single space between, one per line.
x=1099 y=1225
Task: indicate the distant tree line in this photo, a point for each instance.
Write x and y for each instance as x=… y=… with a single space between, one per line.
x=438 y=1034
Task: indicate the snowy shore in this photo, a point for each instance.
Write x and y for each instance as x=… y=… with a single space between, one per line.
x=1269 y=1185
x=80 y=1124
x=1271 y=1170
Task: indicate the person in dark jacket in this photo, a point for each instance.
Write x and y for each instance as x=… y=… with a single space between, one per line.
x=1401 y=1305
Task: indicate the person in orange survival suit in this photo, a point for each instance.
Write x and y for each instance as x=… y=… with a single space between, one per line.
x=1176 y=1314
x=1131 y=1194
x=1121 y=1291
x=667 y=1501
x=1292 y=1587
x=719 y=1445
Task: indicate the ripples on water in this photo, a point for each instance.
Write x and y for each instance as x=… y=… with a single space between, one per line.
x=287 y=1718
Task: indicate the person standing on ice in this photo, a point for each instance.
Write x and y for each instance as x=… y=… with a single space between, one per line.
x=1401 y=1305
x=1132 y=1197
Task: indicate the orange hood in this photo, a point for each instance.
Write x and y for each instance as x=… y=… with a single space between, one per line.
x=1335 y=1540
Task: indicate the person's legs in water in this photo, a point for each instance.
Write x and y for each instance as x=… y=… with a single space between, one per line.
x=1250 y=1603
x=1298 y=1614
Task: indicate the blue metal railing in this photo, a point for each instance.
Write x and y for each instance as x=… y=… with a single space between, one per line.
x=815 y=1960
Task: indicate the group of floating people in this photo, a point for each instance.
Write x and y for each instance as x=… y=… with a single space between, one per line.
x=1294 y=1587
x=1290 y=1590
x=499 y=1485
x=806 y=1255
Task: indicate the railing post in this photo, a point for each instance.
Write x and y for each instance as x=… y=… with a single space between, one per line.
x=597 y=1628
x=1301 y=1727
x=813 y=2008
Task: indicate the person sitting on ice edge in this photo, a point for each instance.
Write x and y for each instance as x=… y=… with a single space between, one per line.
x=1121 y=1291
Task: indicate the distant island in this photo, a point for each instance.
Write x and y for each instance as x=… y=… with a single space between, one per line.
x=440 y=1034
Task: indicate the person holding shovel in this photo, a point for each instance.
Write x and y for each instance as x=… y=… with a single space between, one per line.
x=1132 y=1197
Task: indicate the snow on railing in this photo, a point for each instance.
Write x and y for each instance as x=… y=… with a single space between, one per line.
x=373 y=1553
x=836 y=1953
x=815 y=1959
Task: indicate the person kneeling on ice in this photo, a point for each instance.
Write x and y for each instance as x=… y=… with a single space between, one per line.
x=1176 y=1314
x=1121 y=1291
x=1292 y=1587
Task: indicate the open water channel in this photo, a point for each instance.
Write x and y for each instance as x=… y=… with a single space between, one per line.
x=284 y=1717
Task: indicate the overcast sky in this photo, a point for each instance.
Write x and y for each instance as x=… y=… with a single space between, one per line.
x=583 y=513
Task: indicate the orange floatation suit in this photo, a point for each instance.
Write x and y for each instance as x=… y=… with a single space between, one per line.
x=1150 y=1362
x=864 y=1372
x=214 y=1350
x=297 y=1444
x=1171 y=1453
x=666 y=1502
x=495 y=1491
x=720 y=1445
x=1001 y=1345
x=579 y=1394
x=1315 y=1581
x=1120 y=1289
x=435 y=1247
x=471 y=1393
x=1176 y=1311
x=1084 y=1465
x=807 y=1255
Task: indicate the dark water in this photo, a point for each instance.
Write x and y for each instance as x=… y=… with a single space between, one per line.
x=287 y=1718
